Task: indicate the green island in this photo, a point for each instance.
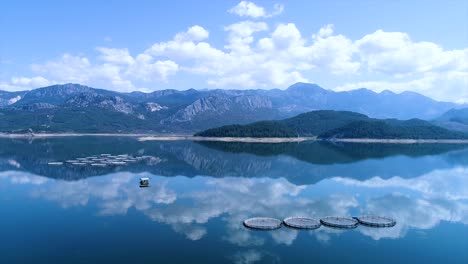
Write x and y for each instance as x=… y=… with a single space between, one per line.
x=329 y=124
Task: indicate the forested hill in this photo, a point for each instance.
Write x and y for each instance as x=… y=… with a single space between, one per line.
x=337 y=124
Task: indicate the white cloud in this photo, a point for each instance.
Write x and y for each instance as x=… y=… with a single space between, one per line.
x=250 y=9
x=118 y=56
x=325 y=31
x=146 y=69
x=30 y=82
x=246 y=8
x=240 y=35
x=24 y=83
x=278 y=59
x=68 y=67
x=114 y=68
x=195 y=33
x=258 y=55
x=396 y=54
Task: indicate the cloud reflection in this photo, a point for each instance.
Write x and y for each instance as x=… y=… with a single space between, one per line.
x=188 y=204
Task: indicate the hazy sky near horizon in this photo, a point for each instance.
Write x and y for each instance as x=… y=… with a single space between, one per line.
x=399 y=45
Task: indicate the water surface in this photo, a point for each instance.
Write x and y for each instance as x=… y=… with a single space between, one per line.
x=201 y=192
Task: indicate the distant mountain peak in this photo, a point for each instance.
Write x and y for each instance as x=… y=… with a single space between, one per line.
x=387 y=92
x=306 y=88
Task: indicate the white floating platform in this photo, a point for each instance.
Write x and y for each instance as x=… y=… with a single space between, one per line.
x=263 y=223
x=376 y=221
x=79 y=164
x=55 y=163
x=98 y=164
x=302 y=222
x=339 y=222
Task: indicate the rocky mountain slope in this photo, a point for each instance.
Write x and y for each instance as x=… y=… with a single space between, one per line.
x=193 y=110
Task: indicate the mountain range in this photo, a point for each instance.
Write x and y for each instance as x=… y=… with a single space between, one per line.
x=79 y=108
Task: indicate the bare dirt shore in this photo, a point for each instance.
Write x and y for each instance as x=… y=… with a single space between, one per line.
x=50 y=135
x=229 y=139
x=160 y=137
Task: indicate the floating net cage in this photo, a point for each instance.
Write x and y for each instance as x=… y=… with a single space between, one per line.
x=339 y=222
x=102 y=160
x=376 y=221
x=263 y=223
x=302 y=222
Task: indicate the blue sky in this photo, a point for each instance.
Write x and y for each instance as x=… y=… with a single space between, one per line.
x=151 y=45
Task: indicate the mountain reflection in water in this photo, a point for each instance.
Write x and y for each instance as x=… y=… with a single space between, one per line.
x=203 y=189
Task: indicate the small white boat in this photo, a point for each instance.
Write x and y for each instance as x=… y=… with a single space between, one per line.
x=144 y=182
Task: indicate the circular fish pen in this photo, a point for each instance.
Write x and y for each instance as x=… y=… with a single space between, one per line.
x=339 y=222
x=376 y=221
x=263 y=223
x=301 y=222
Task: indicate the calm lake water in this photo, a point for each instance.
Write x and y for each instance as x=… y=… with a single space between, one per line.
x=201 y=192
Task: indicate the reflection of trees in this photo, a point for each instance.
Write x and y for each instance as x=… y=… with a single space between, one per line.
x=301 y=163
x=323 y=152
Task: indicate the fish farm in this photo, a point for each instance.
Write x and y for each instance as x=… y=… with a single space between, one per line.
x=339 y=222
x=301 y=222
x=376 y=221
x=102 y=160
x=265 y=223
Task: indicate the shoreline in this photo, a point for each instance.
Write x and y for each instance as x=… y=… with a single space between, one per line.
x=398 y=141
x=174 y=137
x=229 y=139
x=51 y=135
